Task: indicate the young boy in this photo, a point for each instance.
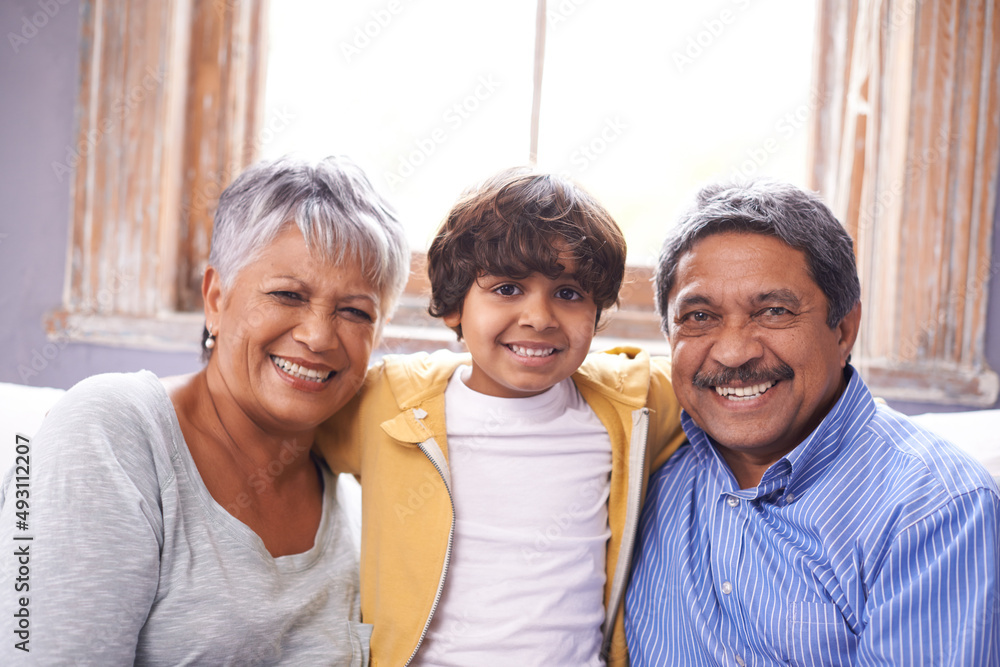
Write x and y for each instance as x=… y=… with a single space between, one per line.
x=501 y=492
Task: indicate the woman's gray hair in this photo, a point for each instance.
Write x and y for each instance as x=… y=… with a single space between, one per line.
x=333 y=204
x=772 y=208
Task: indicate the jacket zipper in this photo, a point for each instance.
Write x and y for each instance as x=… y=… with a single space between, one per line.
x=447 y=556
x=637 y=463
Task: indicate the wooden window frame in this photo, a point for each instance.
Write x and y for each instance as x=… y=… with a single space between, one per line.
x=169 y=102
x=908 y=152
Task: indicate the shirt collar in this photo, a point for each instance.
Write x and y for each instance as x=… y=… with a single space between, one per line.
x=852 y=411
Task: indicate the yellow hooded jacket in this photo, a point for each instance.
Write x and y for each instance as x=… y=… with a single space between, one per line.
x=393 y=434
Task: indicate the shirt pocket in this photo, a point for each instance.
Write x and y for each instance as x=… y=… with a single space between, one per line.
x=818 y=635
x=360 y=636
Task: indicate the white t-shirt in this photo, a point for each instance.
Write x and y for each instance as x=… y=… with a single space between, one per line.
x=530 y=480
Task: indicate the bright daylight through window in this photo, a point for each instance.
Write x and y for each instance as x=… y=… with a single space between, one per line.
x=642 y=102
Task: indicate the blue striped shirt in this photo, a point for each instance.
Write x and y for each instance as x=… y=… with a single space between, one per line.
x=874 y=542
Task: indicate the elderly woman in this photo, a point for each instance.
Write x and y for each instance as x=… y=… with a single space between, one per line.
x=187 y=522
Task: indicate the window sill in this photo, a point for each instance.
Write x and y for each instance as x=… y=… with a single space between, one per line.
x=930 y=383
x=171 y=332
x=413 y=331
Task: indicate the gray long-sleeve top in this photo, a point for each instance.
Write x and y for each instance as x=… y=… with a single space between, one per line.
x=119 y=554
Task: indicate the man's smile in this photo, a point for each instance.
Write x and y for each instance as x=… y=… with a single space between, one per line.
x=744 y=393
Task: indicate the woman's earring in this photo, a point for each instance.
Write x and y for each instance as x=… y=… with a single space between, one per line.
x=210 y=341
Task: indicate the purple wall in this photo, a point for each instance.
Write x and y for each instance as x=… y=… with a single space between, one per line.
x=38 y=80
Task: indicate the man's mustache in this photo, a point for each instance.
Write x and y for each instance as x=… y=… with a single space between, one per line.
x=750 y=373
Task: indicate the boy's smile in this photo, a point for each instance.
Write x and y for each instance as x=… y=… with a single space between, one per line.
x=525 y=334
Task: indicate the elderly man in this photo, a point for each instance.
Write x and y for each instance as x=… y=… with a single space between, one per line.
x=803 y=524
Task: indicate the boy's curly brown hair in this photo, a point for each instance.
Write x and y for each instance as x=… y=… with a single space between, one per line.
x=519 y=222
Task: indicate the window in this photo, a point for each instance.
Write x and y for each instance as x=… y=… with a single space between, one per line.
x=173 y=106
x=432 y=98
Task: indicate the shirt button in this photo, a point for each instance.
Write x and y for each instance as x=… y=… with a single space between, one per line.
x=727 y=588
x=740 y=661
x=733 y=502
x=789 y=497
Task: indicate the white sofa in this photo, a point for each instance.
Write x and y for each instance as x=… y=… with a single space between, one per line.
x=22 y=409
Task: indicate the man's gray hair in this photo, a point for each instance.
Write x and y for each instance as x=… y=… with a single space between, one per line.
x=333 y=204
x=763 y=206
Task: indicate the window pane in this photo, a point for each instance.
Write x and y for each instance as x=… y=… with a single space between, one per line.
x=644 y=102
x=428 y=97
